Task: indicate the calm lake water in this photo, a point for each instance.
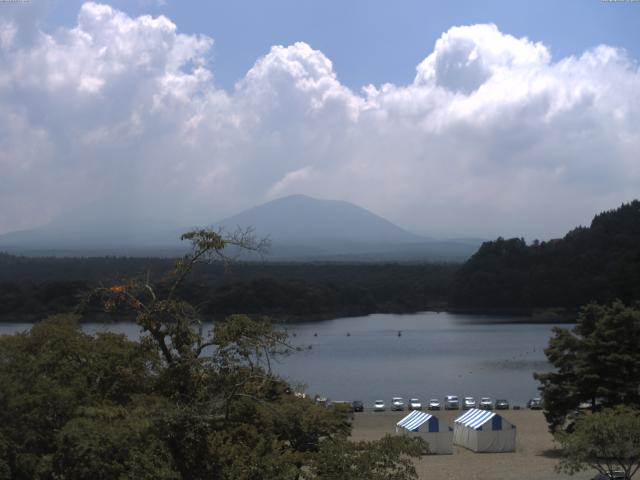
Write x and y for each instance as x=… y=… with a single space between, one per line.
x=436 y=354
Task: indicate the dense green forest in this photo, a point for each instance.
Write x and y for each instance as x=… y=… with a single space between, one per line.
x=596 y=263
x=31 y=288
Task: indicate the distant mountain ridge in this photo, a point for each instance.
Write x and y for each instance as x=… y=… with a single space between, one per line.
x=300 y=228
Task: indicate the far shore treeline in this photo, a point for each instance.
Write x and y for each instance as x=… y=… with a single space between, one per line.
x=596 y=263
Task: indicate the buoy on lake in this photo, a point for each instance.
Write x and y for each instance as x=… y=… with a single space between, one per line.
x=348 y=334
x=315 y=334
x=399 y=333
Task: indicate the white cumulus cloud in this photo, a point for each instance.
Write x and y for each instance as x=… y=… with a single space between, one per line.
x=120 y=117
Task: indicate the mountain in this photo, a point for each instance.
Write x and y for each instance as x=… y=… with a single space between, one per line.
x=302 y=219
x=302 y=228
x=94 y=238
x=299 y=227
x=596 y=263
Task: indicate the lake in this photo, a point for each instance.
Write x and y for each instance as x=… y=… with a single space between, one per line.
x=436 y=354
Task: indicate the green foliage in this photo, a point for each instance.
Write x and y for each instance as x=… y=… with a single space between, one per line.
x=50 y=372
x=32 y=288
x=599 y=263
x=104 y=443
x=175 y=405
x=597 y=362
x=387 y=459
x=607 y=441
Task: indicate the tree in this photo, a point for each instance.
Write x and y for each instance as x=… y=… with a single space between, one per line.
x=597 y=362
x=175 y=405
x=233 y=418
x=48 y=373
x=607 y=441
x=387 y=459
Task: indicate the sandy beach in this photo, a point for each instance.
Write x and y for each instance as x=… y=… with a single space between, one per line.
x=534 y=458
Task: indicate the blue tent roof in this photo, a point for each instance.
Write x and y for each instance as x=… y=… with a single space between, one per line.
x=475 y=418
x=414 y=420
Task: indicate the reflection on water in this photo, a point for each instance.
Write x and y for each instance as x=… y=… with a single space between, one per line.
x=421 y=355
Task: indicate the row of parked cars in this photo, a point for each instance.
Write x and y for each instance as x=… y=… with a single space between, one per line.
x=451 y=402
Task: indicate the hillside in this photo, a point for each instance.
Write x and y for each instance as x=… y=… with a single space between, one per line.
x=596 y=263
x=304 y=229
x=300 y=228
x=299 y=218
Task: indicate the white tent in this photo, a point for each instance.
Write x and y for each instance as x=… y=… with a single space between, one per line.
x=484 y=431
x=436 y=433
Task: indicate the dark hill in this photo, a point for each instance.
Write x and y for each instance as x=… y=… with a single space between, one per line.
x=596 y=263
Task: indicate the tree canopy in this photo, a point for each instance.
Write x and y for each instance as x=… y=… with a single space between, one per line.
x=608 y=441
x=174 y=405
x=598 y=361
x=596 y=263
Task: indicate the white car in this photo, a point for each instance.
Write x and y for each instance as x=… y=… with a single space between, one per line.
x=434 y=404
x=486 y=403
x=378 y=406
x=469 y=402
x=397 y=404
x=414 y=404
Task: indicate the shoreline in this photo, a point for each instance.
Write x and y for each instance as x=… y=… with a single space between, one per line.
x=508 y=316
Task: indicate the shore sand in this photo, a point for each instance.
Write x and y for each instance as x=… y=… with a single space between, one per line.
x=534 y=458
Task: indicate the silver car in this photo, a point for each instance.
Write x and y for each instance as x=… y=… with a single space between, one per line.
x=434 y=404
x=378 y=406
x=451 y=402
x=414 y=404
x=486 y=403
x=469 y=402
x=397 y=404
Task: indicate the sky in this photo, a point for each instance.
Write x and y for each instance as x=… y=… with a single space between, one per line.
x=451 y=119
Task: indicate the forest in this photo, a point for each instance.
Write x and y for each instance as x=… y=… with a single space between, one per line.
x=600 y=263
x=76 y=406
x=596 y=263
x=32 y=288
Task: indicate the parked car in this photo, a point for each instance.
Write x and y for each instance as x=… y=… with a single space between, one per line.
x=451 y=402
x=486 y=403
x=468 y=402
x=378 y=406
x=414 y=404
x=535 y=403
x=502 y=404
x=434 y=404
x=358 y=406
x=397 y=404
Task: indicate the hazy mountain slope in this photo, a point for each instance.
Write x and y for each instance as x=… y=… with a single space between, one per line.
x=300 y=228
x=299 y=218
x=94 y=238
